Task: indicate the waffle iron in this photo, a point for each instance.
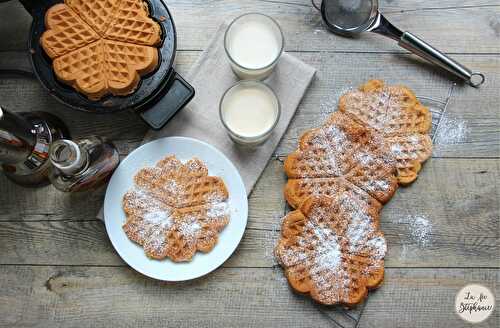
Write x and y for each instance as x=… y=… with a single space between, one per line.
x=158 y=96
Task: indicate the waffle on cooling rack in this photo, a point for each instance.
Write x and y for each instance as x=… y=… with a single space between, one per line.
x=175 y=209
x=399 y=118
x=332 y=250
x=338 y=180
x=101 y=47
x=342 y=149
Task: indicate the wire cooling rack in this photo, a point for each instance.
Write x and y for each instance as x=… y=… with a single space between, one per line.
x=438 y=109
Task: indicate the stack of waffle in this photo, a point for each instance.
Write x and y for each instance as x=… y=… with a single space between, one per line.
x=101 y=47
x=339 y=178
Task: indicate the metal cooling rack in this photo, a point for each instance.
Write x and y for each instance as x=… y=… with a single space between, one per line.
x=438 y=109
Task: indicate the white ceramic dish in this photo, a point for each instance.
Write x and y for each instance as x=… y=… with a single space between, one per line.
x=184 y=149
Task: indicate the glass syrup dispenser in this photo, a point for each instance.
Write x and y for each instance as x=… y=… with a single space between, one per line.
x=25 y=139
x=83 y=164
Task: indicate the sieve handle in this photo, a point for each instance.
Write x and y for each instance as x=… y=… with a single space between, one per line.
x=428 y=52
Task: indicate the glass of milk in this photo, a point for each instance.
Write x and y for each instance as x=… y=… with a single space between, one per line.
x=249 y=111
x=254 y=43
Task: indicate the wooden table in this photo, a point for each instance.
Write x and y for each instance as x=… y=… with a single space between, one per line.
x=58 y=268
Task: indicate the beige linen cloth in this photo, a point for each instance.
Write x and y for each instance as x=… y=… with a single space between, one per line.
x=211 y=76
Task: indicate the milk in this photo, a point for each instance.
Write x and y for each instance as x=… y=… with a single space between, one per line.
x=249 y=111
x=254 y=43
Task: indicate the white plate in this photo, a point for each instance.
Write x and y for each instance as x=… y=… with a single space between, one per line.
x=184 y=149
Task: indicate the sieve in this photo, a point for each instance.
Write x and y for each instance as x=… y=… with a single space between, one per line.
x=352 y=17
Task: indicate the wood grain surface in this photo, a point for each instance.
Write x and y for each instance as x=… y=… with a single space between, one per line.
x=58 y=268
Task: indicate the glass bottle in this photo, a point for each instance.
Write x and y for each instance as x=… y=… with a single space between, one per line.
x=82 y=164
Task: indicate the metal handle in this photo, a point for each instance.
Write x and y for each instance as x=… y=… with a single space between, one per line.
x=428 y=52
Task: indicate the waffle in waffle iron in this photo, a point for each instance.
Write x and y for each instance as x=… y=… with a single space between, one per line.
x=101 y=47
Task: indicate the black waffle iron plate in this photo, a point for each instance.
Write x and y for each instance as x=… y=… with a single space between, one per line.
x=158 y=96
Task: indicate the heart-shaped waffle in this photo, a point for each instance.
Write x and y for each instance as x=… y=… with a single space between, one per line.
x=398 y=117
x=97 y=13
x=66 y=31
x=341 y=148
x=175 y=209
x=101 y=46
x=332 y=250
x=131 y=23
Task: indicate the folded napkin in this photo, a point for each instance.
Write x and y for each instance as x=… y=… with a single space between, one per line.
x=211 y=76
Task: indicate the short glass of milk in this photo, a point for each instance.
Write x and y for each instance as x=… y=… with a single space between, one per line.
x=249 y=110
x=254 y=43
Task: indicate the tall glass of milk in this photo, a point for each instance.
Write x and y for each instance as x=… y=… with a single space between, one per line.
x=249 y=111
x=254 y=43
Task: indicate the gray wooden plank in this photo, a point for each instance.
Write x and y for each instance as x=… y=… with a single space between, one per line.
x=96 y=297
x=477 y=109
x=425 y=298
x=458 y=198
x=304 y=29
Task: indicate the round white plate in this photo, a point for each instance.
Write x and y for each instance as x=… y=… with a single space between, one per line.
x=184 y=149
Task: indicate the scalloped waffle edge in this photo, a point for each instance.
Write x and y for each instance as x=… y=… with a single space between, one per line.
x=175 y=209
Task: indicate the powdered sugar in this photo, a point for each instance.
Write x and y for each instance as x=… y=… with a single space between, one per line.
x=414 y=139
x=195 y=165
x=271 y=238
x=358 y=230
x=329 y=104
x=397 y=150
x=217 y=210
x=171 y=186
x=364 y=158
x=376 y=185
x=189 y=228
x=335 y=137
x=328 y=254
x=381 y=109
x=215 y=198
x=155 y=239
x=141 y=198
x=400 y=151
x=326 y=259
x=378 y=247
x=451 y=131
x=419 y=228
x=333 y=140
x=158 y=217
